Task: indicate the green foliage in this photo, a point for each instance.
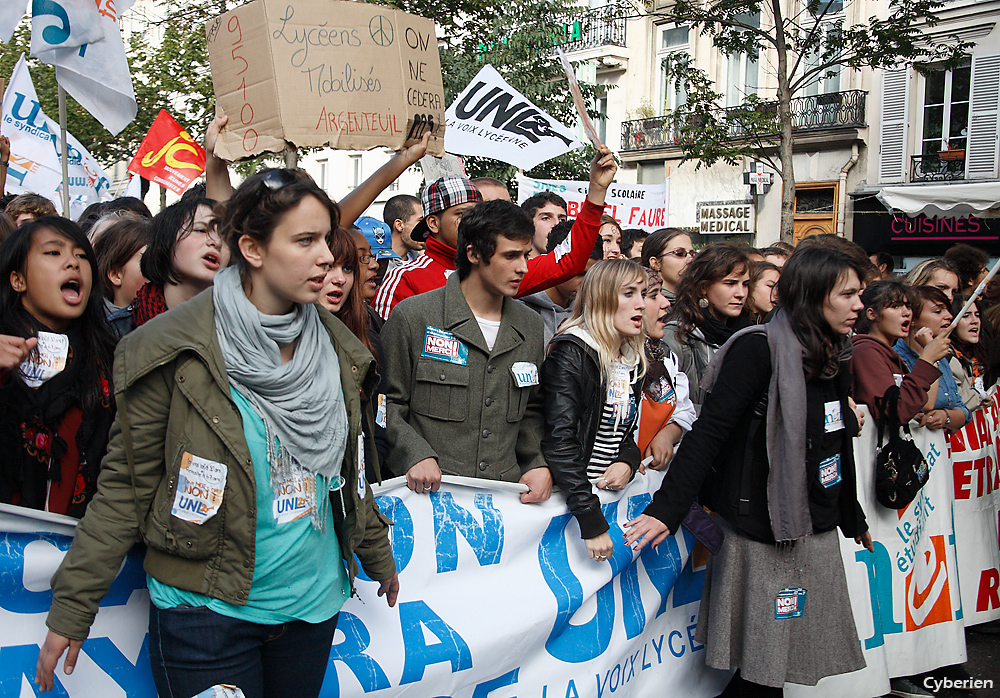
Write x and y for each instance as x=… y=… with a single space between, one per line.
x=809 y=44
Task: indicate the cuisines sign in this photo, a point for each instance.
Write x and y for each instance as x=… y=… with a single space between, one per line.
x=726 y=217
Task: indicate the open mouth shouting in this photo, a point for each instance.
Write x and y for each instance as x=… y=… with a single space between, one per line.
x=316 y=283
x=212 y=260
x=72 y=291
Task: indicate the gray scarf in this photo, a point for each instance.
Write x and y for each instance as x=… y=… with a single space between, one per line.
x=787 y=484
x=301 y=402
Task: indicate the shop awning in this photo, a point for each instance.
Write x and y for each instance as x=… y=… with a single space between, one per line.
x=980 y=199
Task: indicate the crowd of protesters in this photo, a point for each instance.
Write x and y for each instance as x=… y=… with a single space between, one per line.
x=270 y=339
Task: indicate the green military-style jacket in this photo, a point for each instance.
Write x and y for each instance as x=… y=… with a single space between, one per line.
x=174 y=398
x=449 y=397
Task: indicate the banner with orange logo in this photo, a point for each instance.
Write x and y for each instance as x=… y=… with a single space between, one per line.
x=908 y=607
x=169 y=156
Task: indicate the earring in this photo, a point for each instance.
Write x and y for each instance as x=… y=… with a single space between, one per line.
x=702 y=303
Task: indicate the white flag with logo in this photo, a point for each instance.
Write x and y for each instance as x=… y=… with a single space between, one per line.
x=97 y=73
x=492 y=119
x=11 y=12
x=35 y=150
x=63 y=24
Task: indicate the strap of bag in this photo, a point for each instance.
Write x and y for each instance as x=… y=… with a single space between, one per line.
x=129 y=458
x=759 y=413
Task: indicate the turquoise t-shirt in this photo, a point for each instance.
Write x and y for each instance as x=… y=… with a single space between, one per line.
x=298 y=571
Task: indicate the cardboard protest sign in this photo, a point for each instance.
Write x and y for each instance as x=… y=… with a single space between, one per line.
x=641 y=206
x=350 y=75
x=168 y=155
x=492 y=119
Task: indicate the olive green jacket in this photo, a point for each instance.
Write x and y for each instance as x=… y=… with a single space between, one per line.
x=473 y=418
x=174 y=398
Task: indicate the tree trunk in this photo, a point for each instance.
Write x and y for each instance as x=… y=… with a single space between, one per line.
x=785 y=138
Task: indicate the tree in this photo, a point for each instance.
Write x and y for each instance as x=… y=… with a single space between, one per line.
x=518 y=39
x=802 y=46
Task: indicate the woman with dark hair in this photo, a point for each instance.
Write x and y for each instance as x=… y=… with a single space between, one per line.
x=236 y=455
x=668 y=251
x=184 y=254
x=119 y=266
x=875 y=364
x=772 y=454
x=55 y=368
x=763 y=294
x=966 y=360
x=944 y=408
x=710 y=300
x=343 y=296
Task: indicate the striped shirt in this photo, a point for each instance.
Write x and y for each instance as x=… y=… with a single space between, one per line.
x=608 y=441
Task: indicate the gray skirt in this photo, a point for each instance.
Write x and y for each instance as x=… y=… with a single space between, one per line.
x=755 y=616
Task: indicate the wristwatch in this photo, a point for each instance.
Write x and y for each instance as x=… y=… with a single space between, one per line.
x=947 y=419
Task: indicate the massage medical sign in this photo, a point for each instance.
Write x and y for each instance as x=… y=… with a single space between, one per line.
x=350 y=75
x=726 y=217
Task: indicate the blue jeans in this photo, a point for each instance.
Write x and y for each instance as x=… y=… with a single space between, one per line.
x=191 y=649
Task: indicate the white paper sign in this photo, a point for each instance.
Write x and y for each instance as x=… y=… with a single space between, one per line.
x=492 y=119
x=47 y=361
x=641 y=206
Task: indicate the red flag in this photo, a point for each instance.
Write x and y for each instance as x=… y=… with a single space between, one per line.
x=168 y=155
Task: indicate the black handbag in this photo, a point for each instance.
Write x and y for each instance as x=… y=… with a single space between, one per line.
x=900 y=467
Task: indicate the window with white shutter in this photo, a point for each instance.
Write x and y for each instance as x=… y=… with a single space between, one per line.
x=892 y=135
x=982 y=156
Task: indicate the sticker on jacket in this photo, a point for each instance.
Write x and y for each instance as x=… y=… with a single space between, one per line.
x=200 y=486
x=361 y=466
x=442 y=345
x=525 y=374
x=833 y=418
x=380 y=411
x=221 y=691
x=829 y=471
x=47 y=361
x=789 y=603
x=294 y=497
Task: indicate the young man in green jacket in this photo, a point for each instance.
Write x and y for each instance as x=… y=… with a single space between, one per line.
x=462 y=366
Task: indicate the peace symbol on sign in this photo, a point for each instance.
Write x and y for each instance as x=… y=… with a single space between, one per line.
x=381 y=30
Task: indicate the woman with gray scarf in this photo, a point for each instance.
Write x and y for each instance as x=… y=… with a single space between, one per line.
x=239 y=456
x=772 y=455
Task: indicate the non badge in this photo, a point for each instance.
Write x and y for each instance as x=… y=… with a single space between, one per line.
x=829 y=471
x=442 y=345
x=789 y=603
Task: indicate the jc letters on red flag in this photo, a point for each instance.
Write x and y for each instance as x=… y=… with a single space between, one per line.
x=168 y=155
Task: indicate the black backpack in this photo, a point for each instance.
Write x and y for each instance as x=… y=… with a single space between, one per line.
x=900 y=468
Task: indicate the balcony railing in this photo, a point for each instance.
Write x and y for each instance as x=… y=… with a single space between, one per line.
x=934 y=168
x=601 y=26
x=814 y=113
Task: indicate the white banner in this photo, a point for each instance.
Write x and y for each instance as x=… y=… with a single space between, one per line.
x=492 y=119
x=63 y=24
x=641 y=206
x=11 y=12
x=97 y=73
x=36 y=151
x=977 y=513
x=906 y=598
x=497 y=598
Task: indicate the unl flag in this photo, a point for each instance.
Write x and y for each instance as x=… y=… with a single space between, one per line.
x=168 y=155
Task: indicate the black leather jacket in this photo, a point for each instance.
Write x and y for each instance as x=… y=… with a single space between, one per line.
x=574 y=397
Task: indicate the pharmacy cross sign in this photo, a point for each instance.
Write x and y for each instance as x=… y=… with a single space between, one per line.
x=758 y=179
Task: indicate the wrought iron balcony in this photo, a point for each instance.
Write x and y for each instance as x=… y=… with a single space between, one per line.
x=601 y=26
x=935 y=168
x=814 y=113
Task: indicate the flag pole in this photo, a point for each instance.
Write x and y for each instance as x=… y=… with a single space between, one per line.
x=64 y=154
